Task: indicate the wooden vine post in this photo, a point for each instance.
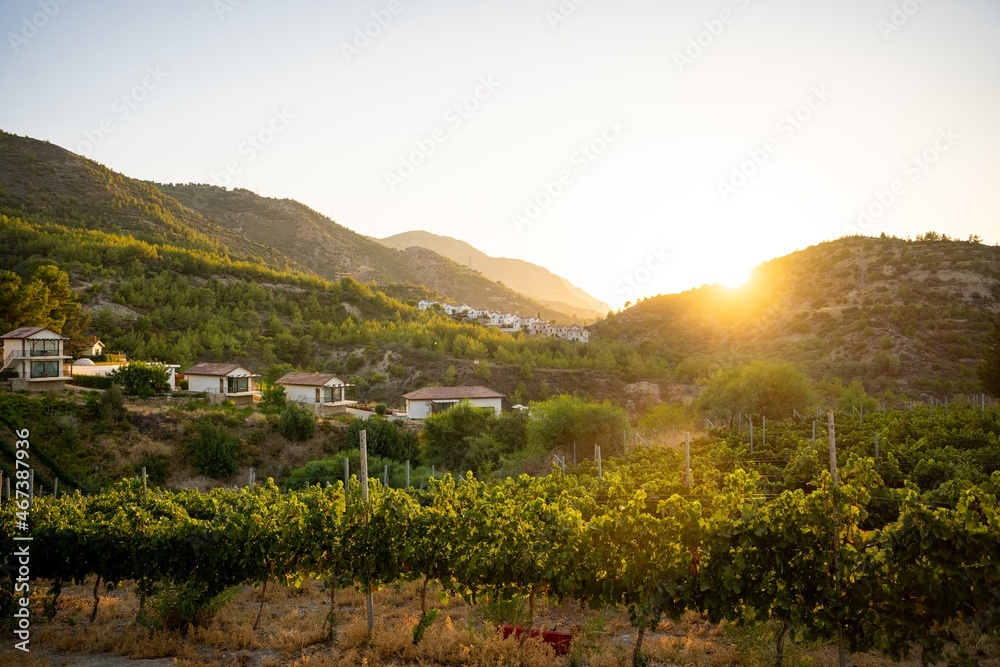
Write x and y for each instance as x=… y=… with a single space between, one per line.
x=364 y=499
x=841 y=651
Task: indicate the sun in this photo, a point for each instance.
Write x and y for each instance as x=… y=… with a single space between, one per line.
x=734 y=277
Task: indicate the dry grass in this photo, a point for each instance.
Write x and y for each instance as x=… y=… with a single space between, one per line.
x=293 y=632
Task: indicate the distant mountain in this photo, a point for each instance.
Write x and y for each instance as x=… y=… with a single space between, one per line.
x=890 y=312
x=529 y=279
x=334 y=251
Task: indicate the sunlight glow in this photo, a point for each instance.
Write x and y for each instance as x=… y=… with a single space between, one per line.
x=734 y=276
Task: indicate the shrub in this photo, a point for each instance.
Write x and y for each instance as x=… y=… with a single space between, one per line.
x=177 y=606
x=273 y=398
x=297 y=423
x=142 y=378
x=93 y=381
x=156 y=466
x=214 y=450
x=331 y=470
x=381 y=409
x=385 y=438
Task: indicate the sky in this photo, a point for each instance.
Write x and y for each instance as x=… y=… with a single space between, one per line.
x=634 y=147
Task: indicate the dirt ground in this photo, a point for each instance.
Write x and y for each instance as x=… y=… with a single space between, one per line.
x=292 y=632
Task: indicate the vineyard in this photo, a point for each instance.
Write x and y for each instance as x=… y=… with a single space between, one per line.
x=888 y=554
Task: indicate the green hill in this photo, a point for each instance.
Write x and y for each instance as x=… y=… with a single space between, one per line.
x=888 y=311
x=164 y=282
x=524 y=277
x=334 y=251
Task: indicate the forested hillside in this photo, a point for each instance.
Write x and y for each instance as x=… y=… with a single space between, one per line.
x=887 y=311
x=334 y=251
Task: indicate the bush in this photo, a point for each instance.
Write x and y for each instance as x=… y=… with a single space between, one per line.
x=273 y=398
x=381 y=409
x=564 y=420
x=331 y=470
x=385 y=438
x=93 y=381
x=142 y=378
x=177 y=606
x=297 y=423
x=156 y=466
x=215 y=451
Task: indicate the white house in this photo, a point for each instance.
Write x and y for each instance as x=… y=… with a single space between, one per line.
x=576 y=333
x=474 y=313
x=425 y=305
x=37 y=355
x=92 y=348
x=223 y=381
x=325 y=393
x=422 y=403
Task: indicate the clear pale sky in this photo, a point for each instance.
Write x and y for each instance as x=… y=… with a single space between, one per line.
x=667 y=120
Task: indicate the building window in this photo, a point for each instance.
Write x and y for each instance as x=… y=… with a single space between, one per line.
x=238 y=385
x=45 y=348
x=44 y=369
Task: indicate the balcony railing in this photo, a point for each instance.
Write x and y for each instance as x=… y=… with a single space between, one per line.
x=50 y=376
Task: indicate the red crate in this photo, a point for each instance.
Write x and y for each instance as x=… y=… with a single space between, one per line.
x=558 y=640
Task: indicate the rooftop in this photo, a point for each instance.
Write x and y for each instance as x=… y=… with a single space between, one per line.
x=451 y=393
x=309 y=379
x=212 y=369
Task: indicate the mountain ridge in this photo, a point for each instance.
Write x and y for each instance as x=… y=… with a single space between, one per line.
x=334 y=251
x=520 y=275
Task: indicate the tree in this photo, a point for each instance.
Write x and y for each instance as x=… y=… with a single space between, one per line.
x=564 y=420
x=450 y=376
x=759 y=388
x=142 y=378
x=297 y=423
x=385 y=438
x=989 y=367
x=482 y=371
x=214 y=450
x=273 y=398
x=446 y=438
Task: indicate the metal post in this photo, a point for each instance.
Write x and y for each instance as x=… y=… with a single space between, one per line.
x=814 y=431
x=600 y=472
